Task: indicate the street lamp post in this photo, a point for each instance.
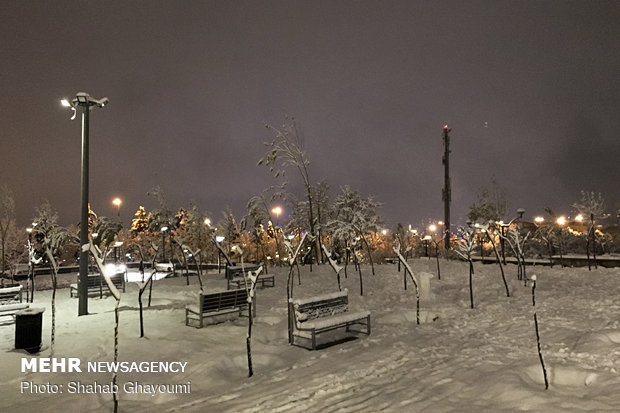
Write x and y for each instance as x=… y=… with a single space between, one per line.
x=561 y=221
x=163 y=242
x=219 y=240
x=86 y=103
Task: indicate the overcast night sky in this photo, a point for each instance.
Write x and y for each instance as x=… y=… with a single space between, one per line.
x=531 y=90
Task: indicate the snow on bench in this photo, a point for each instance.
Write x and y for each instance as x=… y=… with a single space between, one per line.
x=315 y=315
x=214 y=304
x=11 y=309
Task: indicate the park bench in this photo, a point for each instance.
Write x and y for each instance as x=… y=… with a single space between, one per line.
x=10 y=295
x=218 y=303
x=315 y=315
x=96 y=283
x=11 y=300
x=234 y=276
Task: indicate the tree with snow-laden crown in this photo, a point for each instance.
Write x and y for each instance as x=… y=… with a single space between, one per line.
x=49 y=238
x=353 y=217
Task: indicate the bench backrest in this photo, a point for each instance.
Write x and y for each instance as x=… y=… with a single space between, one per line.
x=223 y=300
x=96 y=280
x=321 y=306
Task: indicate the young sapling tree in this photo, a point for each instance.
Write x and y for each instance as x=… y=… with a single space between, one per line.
x=490 y=231
x=415 y=283
x=465 y=250
x=540 y=356
x=99 y=248
x=51 y=238
x=337 y=268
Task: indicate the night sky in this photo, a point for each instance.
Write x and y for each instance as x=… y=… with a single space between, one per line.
x=531 y=90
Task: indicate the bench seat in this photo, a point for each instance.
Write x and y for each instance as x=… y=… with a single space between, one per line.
x=335 y=321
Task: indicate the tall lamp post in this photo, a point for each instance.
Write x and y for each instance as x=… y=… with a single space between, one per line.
x=447 y=189
x=86 y=103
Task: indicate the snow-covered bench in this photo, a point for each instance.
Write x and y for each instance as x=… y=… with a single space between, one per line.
x=164 y=267
x=234 y=276
x=11 y=309
x=315 y=315
x=97 y=283
x=9 y=295
x=218 y=303
x=11 y=301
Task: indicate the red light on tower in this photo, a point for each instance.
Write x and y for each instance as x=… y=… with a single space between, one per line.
x=445 y=126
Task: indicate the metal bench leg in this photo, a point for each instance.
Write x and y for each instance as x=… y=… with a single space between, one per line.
x=368 y=323
x=313 y=340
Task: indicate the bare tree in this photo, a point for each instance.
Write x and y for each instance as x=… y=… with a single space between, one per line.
x=289 y=280
x=592 y=207
x=337 y=268
x=540 y=356
x=517 y=244
x=465 y=251
x=286 y=150
x=99 y=248
x=250 y=280
x=396 y=249
x=491 y=231
x=7 y=218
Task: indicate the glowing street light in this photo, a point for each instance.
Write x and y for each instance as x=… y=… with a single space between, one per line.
x=579 y=218
x=561 y=221
x=118 y=202
x=539 y=220
x=86 y=102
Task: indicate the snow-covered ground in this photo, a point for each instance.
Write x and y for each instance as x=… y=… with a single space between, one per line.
x=467 y=360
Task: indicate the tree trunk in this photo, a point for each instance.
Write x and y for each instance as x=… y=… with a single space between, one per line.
x=372 y=265
x=471 y=287
x=437 y=258
x=501 y=267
